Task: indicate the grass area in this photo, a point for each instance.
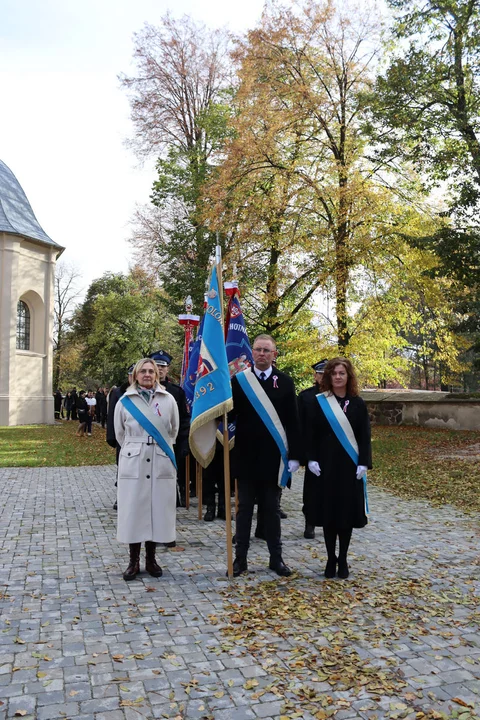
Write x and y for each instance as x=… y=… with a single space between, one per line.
x=411 y=462
x=416 y=462
x=53 y=446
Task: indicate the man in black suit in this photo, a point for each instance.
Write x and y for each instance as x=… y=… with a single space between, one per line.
x=181 y=446
x=257 y=456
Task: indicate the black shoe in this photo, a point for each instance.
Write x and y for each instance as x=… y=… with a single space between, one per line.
x=210 y=514
x=280 y=568
x=115 y=505
x=309 y=533
x=259 y=534
x=343 y=572
x=221 y=515
x=330 y=567
x=170 y=544
x=283 y=515
x=239 y=566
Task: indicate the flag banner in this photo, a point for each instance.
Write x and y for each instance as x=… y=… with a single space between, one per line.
x=191 y=374
x=237 y=346
x=187 y=352
x=213 y=391
x=189 y=322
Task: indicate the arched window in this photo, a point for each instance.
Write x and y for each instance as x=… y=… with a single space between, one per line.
x=23 y=326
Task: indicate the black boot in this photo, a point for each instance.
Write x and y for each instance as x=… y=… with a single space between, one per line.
x=221 y=515
x=151 y=565
x=330 y=537
x=210 y=514
x=134 y=567
x=309 y=533
x=344 y=538
x=239 y=566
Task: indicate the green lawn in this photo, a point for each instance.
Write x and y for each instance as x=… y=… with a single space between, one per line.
x=409 y=461
x=425 y=463
x=53 y=446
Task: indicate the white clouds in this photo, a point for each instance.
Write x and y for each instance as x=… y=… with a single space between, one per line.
x=64 y=119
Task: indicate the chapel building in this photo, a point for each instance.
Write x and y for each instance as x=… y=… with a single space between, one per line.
x=27 y=273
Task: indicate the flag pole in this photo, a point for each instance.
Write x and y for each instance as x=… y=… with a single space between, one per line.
x=189 y=322
x=226 y=448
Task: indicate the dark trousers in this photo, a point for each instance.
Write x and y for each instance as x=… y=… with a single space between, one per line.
x=214 y=479
x=267 y=495
x=88 y=420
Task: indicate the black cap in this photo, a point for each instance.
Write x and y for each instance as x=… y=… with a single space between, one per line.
x=320 y=365
x=161 y=357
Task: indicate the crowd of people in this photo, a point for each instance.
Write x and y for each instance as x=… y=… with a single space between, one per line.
x=326 y=429
x=83 y=406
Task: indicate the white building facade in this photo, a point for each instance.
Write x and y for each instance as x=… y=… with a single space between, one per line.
x=27 y=273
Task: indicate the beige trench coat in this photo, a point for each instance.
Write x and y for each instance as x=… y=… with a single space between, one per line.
x=147 y=480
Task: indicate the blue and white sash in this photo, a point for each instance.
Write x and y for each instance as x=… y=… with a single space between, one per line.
x=264 y=407
x=150 y=422
x=343 y=430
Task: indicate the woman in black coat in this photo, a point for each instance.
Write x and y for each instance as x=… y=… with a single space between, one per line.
x=67 y=404
x=338 y=501
x=82 y=411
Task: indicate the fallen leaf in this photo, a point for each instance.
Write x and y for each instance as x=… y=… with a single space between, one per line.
x=463 y=703
x=20 y=713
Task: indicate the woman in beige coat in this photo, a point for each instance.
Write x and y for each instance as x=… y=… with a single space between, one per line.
x=147 y=478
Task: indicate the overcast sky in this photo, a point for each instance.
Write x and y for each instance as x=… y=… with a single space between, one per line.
x=64 y=119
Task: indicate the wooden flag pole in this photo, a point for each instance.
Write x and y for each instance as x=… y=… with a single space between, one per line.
x=226 y=448
x=187 y=482
x=228 y=507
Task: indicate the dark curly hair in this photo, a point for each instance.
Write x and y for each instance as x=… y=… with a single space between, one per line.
x=326 y=381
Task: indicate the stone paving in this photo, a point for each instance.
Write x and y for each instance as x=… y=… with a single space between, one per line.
x=79 y=642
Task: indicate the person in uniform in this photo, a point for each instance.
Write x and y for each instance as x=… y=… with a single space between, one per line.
x=146 y=426
x=257 y=455
x=114 y=397
x=214 y=485
x=339 y=453
x=181 y=447
x=309 y=480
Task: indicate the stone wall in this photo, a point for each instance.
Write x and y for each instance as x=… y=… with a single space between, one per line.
x=427 y=409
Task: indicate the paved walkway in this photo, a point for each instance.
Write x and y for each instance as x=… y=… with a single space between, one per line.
x=398 y=639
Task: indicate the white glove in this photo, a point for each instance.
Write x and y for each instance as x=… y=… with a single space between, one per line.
x=293 y=466
x=361 y=471
x=314 y=467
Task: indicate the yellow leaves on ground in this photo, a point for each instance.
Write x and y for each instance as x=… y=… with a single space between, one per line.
x=305 y=633
x=438 y=465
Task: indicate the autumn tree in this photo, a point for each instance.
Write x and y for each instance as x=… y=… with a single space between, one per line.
x=427 y=102
x=179 y=105
x=122 y=320
x=296 y=190
x=66 y=295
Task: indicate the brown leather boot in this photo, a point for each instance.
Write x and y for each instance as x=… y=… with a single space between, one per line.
x=151 y=565
x=134 y=567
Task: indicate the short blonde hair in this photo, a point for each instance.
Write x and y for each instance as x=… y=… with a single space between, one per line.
x=139 y=365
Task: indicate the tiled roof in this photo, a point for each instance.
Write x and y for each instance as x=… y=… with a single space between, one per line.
x=16 y=214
